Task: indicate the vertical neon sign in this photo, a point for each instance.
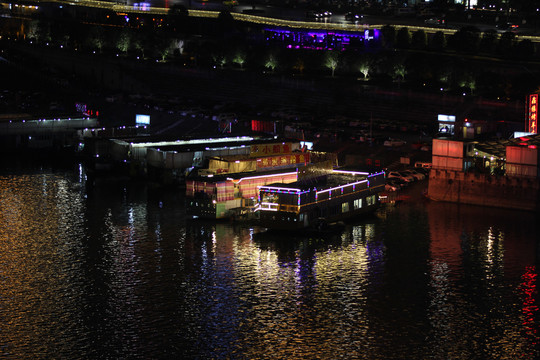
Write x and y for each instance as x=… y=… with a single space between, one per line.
x=533 y=113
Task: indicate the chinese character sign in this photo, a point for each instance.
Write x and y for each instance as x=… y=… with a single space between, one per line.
x=533 y=113
x=270 y=149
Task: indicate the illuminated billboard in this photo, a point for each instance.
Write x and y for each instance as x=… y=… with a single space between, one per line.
x=446 y=124
x=141 y=119
x=533 y=113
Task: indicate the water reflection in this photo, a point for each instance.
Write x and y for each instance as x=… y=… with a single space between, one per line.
x=475 y=270
x=116 y=271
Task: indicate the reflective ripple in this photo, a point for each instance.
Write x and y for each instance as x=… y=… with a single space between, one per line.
x=116 y=271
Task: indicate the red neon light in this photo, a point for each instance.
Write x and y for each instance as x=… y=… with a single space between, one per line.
x=533 y=113
x=532 y=146
x=529 y=308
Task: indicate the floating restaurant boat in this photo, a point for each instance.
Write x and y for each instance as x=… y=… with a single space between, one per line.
x=227 y=196
x=317 y=202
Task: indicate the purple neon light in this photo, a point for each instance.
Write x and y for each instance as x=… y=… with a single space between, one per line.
x=322 y=34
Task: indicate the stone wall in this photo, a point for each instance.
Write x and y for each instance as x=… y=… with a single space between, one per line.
x=482 y=189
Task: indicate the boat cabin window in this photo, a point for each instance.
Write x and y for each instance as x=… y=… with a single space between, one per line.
x=345 y=207
x=357 y=203
x=270 y=198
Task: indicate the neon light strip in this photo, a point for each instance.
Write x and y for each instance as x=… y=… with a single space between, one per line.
x=341 y=187
x=266 y=176
x=269 y=206
x=350 y=172
x=197 y=141
x=287 y=190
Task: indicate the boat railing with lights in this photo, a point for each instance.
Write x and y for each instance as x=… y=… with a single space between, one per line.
x=337 y=195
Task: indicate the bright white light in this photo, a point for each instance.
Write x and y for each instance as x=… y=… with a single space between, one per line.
x=341 y=187
x=350 y=172
x=267 y=176
x=278 y=188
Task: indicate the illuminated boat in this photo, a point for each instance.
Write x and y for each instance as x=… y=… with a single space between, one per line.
x=316 y=201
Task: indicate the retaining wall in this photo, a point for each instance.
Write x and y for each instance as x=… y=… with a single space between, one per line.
x=482 y=189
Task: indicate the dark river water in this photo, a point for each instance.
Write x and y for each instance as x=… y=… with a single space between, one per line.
x=116 y=271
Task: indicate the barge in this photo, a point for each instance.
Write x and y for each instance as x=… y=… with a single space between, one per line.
x=320 y=201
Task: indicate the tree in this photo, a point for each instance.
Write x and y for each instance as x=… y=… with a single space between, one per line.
x=403 y=38
x=123 y=41
x=271 y=62
x=467 y=80
x=506 y=44
x=364 y=65
x=225 y=21
x=239 y=58
x=525 y=49
x=466 y=39
x=399 y=72
x=219 y=59
x=438 y=41
x=389 y=35
x=488 y=42
x=39 y=31
x=299 y=65
x=177 y=17
x=331 y=61
x=166 y=47
x=141 y=42
x=419 y=40
x=96 y=39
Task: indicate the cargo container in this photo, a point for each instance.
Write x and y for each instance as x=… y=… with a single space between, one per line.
x=449 y=148
x=447 y=163
x=525 y=155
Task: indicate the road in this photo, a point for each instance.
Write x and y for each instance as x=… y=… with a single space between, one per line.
x=287 y=17
x=299 y=14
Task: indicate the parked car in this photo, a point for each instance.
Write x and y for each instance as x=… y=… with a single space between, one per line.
x=415 y=174
x=420 y=164
x=422 y=170
x=400 y=183
x=401 y=175
x=391 y=186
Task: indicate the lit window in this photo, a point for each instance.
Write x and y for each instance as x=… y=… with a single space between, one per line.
x=345 y=207
x=357 y=204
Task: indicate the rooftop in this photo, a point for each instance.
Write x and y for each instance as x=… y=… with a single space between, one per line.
x=324 y=181
x=498 y=147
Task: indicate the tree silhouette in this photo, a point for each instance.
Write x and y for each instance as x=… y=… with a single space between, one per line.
x=419 y=40
x=403 y=38
x=389 y=35
x=331 y=61
x=177 y=17
x=438 y=41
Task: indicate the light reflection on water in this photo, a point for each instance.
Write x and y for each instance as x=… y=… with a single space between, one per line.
x=116 y=271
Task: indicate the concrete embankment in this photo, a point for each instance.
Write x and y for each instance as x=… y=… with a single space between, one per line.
x=484 y=189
